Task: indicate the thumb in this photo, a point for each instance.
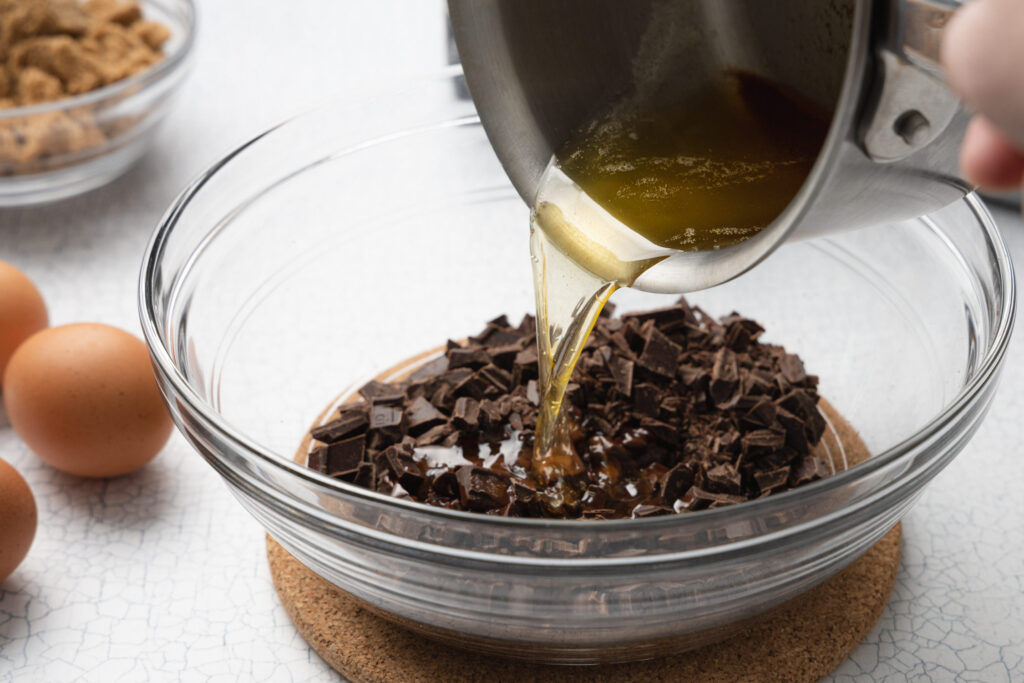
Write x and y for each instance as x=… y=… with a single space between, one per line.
x=983 y=57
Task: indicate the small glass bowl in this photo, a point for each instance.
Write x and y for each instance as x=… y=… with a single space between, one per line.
x=73 y=145
x=359 y=235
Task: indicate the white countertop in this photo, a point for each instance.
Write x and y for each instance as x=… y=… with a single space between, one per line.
x=162 y=576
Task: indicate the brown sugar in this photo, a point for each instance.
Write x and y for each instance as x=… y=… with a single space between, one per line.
x=55 y=49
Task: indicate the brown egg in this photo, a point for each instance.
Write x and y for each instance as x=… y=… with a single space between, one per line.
x=17 y=519
x=22 y=311
x=84 y=398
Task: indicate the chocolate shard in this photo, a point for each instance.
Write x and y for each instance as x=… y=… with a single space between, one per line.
x=379 y=392
x=466 y=413
x=386 y=424
x=663 y=430
x=792 y=369
x=430 y=369
x=345 y=456
x=497 y=377
x=804 y=471
x=804 y=404
x=420 y=416
x=762 y=441
x=660 y=354
x=676 y=482
x=668 y=318
x=316 y=459
x=349 y=423
x=446 y=485
x=761 y=414
x=724 y=478
x=473 y=386
x=504 y=356
x=773 y=479
x=366 y=475
x=725 y=498
x=444 y=397
x=403 y=468
x=468 y=358
x=622 y=370
x=455 y=377
x=725 y=379
x=644 y=510
x=490 y=415
x=646 y=399
x=796 y=434
x=482 y=489
x=434 y=435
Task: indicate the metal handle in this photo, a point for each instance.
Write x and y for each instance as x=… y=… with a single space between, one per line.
x=912 y=106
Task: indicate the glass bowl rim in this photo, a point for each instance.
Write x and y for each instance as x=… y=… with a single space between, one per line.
x=166 y=66
x=184 y=392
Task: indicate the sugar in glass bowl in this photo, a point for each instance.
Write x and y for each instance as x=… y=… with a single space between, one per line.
x=125 y=114
x=358 y=235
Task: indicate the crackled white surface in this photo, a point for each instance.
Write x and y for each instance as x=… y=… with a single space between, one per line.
x=161 y=576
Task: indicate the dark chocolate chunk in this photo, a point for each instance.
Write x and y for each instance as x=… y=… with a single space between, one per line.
x=316 y=459
x=430 y=369
x=434 y=435
x=622 y=371
x=349 y=423
x=379 y=392
x=366 y=475
x=386 y=423
x=482 y=489
x=498 y=378
x=676 y=482
x=646 y=400
x=660 y=354
x=403 y=468
x=345 y=456
x=792 y=369
x=724 y=478
x=468 y=358
x=725 y=379
x=773 y=479
x=466 y=413
x=420 y=416
x=473 y=386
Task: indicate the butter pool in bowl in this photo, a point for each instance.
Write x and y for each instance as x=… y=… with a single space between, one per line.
x=351 y=238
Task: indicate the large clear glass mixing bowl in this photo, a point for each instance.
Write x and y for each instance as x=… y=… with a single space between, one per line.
x=353 y=237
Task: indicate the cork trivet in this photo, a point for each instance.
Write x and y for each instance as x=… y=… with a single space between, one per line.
x=802 y=640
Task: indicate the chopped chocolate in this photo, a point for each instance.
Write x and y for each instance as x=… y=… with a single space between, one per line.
x=379 y=392
x=430 y=369
x=421 y=416
x=670 y=412
x=351 y=422
x=660 y=354
x=466 y=413
x=468 y=358
x=317 y=459
x=482 y=489
x=345 y=456
x=385 y=423
x=725 y=382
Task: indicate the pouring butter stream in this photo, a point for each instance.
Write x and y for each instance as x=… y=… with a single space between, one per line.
x=637 y=184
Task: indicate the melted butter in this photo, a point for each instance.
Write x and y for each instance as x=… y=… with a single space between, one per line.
x=634 y=186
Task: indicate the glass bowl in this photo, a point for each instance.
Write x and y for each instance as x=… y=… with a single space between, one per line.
x=358 y=235
x=73 y=145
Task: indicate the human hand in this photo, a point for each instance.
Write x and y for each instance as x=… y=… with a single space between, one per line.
x=983 y=56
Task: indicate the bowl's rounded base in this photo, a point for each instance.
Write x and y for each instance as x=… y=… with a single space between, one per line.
x=804 y=639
